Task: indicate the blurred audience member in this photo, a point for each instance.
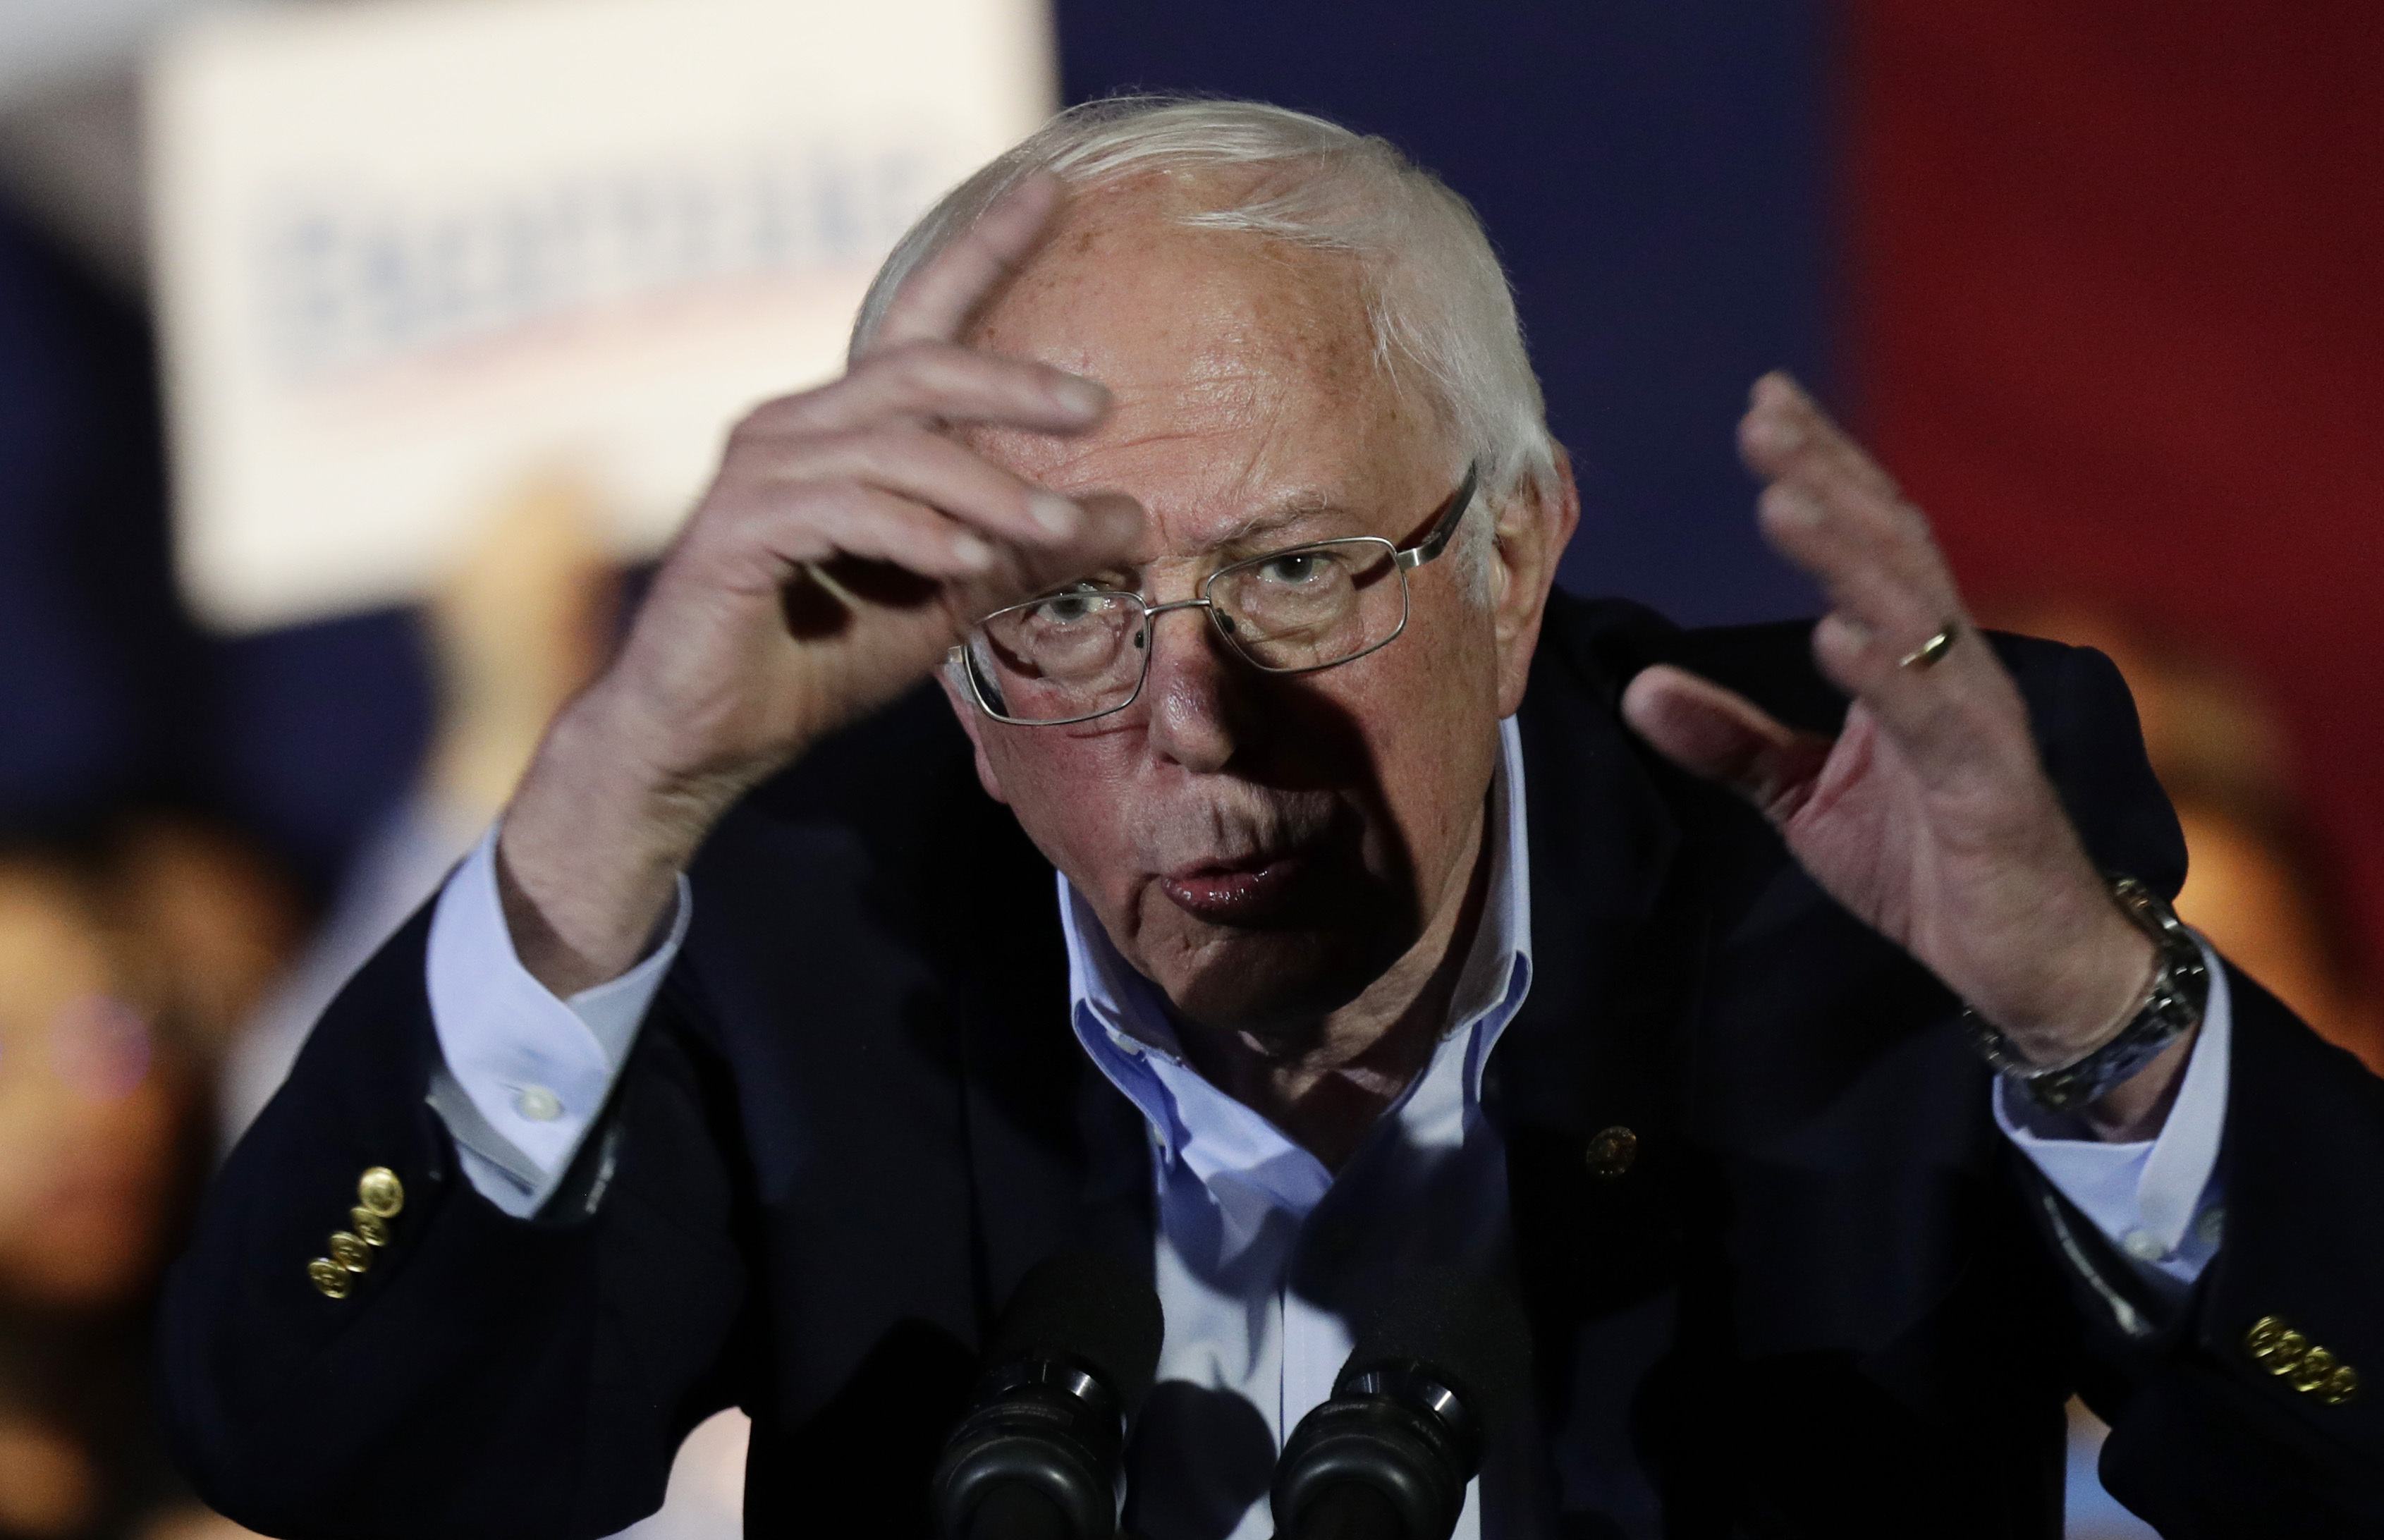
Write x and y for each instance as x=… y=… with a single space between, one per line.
x=524 y=622
x=126 y=961
x=527 y=619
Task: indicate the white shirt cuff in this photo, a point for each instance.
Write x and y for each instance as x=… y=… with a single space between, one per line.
x=522 y=1073
x=2157 y=1199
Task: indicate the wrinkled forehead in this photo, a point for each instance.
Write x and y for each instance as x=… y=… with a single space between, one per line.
x=1245 y=372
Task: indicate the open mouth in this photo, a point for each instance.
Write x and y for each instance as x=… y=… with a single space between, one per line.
x=1238 y=892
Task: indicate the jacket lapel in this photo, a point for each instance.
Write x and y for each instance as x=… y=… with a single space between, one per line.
x=1058 y=1159
x=1586 y=1084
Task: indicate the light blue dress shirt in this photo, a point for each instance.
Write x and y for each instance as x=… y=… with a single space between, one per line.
x=1264 y=1255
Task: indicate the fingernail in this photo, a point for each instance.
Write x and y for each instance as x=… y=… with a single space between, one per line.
x=1082 y=397
x=1055 y=513
x=971 y=552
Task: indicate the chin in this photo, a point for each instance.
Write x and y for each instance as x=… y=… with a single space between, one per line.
x=1273 y=982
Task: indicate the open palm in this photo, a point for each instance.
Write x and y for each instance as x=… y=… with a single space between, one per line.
x=1929 y=815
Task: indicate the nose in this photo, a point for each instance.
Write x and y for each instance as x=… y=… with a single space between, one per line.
x=1199 y=712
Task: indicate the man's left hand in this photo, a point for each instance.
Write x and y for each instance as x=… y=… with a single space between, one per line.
x=1930 y=815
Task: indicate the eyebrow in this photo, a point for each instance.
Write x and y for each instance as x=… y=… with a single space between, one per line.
x=1281 y=519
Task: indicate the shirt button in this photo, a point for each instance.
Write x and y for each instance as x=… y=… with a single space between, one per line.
x=539 y=1105
x=2144 y=1245
x=2211 y=1224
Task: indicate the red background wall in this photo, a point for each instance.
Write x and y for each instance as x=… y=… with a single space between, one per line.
x=2117 y=290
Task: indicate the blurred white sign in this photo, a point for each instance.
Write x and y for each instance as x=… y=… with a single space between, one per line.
x=414 y=256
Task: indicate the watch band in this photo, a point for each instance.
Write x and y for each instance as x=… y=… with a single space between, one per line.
x=2171 y=1006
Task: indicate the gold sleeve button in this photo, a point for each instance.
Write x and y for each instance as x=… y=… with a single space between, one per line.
x=380 y=1191
x=2275 y=1347
x=379 y=1196
x=350 y=1251
x=2317 y=1366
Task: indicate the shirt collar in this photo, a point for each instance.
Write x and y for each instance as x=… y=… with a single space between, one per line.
x=1117 y=1011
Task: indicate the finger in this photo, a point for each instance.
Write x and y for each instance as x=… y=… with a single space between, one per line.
x=923 y=467
x=1723 y=737
x=934 y=303
x=1962 y=711
x=940 y=382
x=1831 y=508
x=1887 y=576
x=1785 y=432
x=1113 y=535
x=879 y=526
x=839 y=520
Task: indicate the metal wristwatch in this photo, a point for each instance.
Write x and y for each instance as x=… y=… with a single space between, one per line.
x=2171 y=1005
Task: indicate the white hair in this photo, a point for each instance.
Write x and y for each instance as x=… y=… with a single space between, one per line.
x=1437 y=301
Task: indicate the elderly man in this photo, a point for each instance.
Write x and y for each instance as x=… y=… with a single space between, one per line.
x=1832 y=1131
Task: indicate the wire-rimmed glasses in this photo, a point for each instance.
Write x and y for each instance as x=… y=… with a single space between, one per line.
x=1085 y=651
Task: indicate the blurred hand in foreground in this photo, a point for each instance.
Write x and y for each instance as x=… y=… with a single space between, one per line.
x=848 y=541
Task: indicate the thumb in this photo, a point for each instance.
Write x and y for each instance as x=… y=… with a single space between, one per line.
x=1724 y=737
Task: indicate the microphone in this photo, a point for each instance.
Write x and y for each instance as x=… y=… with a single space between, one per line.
x=1435 y=1375
x=1041 y=1456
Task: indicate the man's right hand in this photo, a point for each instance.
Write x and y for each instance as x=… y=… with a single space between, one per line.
x=847 y=541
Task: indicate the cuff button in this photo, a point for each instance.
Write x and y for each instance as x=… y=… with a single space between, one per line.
x=2316 y=1368
x=2293 y=1357
x=369 y=1227
x=380 y=1191
x=2274 y=1346
x=329 y=1277
x=350 y=1251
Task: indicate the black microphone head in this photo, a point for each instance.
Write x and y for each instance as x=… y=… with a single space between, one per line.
x=1469 y=1333
x=1439 y=1367
x=1091 y=1307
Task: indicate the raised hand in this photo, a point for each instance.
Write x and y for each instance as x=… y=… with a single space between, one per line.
x=846 y=542
x=1930 y=815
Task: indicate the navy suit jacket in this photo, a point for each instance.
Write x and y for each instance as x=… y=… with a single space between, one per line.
x=1828 y=1298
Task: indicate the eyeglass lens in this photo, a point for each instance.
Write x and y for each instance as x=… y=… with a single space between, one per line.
x=1078 y=654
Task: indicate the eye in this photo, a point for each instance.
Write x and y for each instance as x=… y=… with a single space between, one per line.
x=1068 y=606
x=1293 y=567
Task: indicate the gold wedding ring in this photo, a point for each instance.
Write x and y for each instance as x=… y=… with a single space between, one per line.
x=1928 y=653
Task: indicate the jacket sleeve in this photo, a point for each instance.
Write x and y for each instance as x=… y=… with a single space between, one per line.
x=2224 y=1424
x=483 y=1375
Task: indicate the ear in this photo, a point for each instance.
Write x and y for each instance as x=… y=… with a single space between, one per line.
x=972 y=722
x=1535 y=526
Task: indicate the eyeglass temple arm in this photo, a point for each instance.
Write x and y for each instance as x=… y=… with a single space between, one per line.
x=1432 y=545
